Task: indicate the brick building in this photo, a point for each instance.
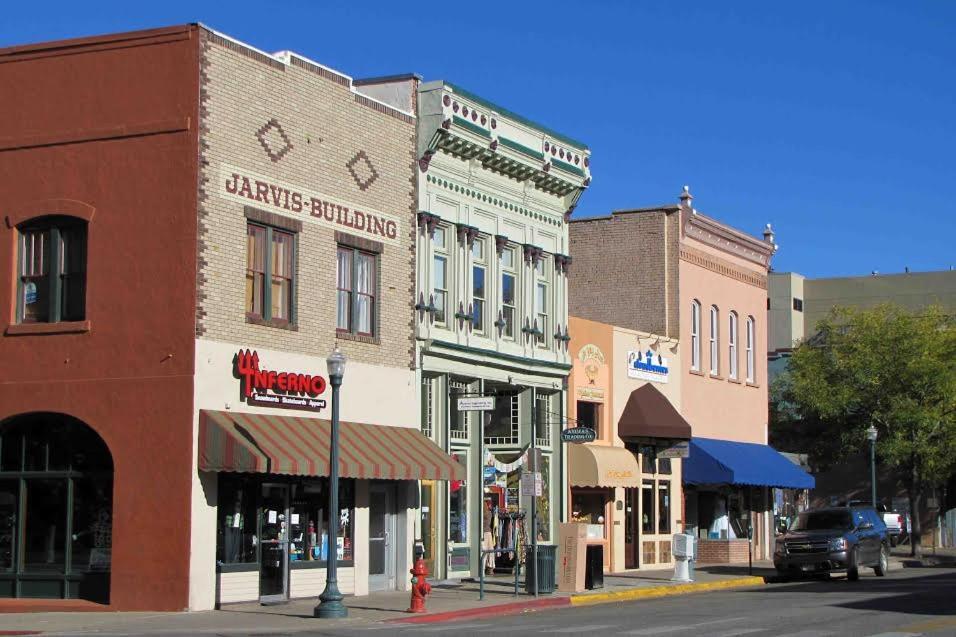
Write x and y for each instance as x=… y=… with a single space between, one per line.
x=683 y=275
x=186 y=239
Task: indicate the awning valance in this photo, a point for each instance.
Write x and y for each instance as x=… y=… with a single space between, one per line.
x=597 y=466
x=256 y=443
x=648 y=414
x=714 y=461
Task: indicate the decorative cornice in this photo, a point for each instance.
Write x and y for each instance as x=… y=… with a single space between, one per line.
x=428 y=222
x=722 y=267
x=467 y=233
x=501 y=242
x=717 y=235
x=561 y=263
x=532 y=254
x=492 y=200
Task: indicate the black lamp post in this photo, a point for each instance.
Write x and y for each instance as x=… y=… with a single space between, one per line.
x=871 y=436
x=330 y=604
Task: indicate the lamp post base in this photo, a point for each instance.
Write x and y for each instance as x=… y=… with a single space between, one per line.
x=330 y=604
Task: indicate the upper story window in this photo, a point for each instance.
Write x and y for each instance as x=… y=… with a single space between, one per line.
x=695 y=336
x=440 y=274
x=508 y=282
x=478 y=289
x=355 y=291
x=797 y=304
x=714 y=341
x=750 y=349
x=270 y=273
x=732 y=342
x=541 y=303
x=51 y=283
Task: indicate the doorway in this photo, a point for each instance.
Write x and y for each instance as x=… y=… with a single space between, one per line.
x=381 y=537
x=274 y=544
x=429 y=534
x=631 y=528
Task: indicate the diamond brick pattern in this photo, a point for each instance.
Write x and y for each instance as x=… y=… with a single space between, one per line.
x=362 y=170
x=274 y=140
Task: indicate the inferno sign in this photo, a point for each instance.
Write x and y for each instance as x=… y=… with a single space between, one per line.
x=266 y=388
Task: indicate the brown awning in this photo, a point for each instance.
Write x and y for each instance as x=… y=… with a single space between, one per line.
x=256 y=443
x=600 y=466
x=648 y=414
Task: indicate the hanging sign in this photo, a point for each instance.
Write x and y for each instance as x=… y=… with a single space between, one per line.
x=677 y=450
x=578 y=434
x=476 y=403
x=288 y=390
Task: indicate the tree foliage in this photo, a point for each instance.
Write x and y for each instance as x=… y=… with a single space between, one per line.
x=885 y=367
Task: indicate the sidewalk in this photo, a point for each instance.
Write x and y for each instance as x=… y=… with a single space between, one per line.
x=447 y=601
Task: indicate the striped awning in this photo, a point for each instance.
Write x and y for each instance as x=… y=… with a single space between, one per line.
x=257 y=443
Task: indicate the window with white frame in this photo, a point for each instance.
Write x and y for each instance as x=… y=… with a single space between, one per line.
x=750 y=349
x=541 y=302
x=458 y=427
x=714 y=343
x=542 y=420
x=508 y=284
x=695 y=336
x=440 y=274
x=478 y=288
x=502 y=427
x=732 y=349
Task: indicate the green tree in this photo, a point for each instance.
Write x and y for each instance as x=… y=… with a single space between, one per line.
x=884 y=367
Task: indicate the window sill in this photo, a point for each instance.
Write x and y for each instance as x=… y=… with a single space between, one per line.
x=697 y=372
x=358 y=338
x=716 y=376
x=735 y=381
x=752 y=384
x=277 y=323
x=63 y=327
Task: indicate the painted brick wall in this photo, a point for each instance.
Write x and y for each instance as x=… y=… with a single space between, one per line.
x=327 y=126
x=625 y=270
x=722 y=552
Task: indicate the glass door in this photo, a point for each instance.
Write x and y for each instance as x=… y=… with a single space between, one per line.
x=428 y=530
x=274 y=544
x=381 y=537
x=631 y=529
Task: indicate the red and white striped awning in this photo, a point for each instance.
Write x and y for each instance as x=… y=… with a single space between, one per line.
x=257 y=443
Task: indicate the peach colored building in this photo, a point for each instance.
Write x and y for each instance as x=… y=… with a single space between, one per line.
x=689 y=277
x=617 y=483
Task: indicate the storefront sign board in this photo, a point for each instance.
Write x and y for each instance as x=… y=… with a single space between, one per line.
x=476 y=403
x=287 y=390
x=647 y=366
x=578 y=434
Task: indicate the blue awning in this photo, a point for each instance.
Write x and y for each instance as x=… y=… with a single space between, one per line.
x=714 y=461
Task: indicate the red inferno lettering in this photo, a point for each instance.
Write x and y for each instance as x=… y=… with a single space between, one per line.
x=281 y=381
x=256 y=380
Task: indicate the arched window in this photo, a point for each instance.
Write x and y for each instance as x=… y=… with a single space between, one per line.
x=732 y=349
x=56 y=509
x=714 y=349
x=695 y=336
x=51 y=272
x=750 y=349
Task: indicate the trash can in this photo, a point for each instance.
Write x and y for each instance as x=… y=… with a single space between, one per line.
x=546 y=569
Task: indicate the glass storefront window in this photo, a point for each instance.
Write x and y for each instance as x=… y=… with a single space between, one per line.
x=458 y=504
x=92 y=525
x=544 y=502
x=309 y=521
x=664 y=507
x=588 y=506
x=647 y=506
x=238 y=535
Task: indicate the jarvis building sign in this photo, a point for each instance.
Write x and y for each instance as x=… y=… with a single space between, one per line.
x=248 y=188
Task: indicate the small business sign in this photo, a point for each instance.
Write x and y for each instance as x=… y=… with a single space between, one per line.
x=677 y=450
x=647 y=366
x=532 y=485
x=476 y=403
x=287 y=390
x=578 y=434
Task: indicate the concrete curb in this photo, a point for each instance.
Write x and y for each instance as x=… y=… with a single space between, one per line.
x=515 y=608
x=664 y=591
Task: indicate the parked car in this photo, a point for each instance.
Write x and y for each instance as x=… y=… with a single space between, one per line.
x=834 y=539
x=895 y=522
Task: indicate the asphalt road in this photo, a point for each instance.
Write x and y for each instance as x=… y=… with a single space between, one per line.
x=906 y=603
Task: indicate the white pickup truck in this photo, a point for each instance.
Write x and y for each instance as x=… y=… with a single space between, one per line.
x=895 y=522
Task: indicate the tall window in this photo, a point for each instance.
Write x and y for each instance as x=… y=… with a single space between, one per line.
x=502 y=429
x=663 y=507
x=355 y=283
x=440 y=274
x=458 y=503
x=647 y=506
x=714 y=349
x=541 y=304
x=589 y=415
x=695 y=336
x=542 y=420
x=508 y=277
x=478 y=289
x=732 y=339
x=52 y=271
x=270 y=273
x=750 y=349
x=458 y=426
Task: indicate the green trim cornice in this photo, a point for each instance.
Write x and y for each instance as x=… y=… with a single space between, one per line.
x=521 y=148
x=566 y=167
x=477 y=130
x=472 y=192
x=530 y=362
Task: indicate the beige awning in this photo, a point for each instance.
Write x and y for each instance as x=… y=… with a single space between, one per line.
x=597 y=466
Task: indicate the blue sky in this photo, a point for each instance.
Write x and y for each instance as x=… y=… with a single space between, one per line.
x=835 y=121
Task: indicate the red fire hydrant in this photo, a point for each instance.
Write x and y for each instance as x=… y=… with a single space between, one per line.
x=420 y=587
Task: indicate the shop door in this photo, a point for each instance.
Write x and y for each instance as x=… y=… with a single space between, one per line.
x=274 y=544
x=381 y=537
x=632 y=540
x=428 y=531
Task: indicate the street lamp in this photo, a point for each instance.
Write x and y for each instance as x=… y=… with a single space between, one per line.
x=871 y=436
x=330 y=604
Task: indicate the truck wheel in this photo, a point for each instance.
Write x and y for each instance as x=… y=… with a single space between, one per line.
x=853 y=571
x=881 y=566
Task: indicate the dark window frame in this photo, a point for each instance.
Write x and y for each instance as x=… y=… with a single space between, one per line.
x=56 y=228
x=352 y=329
x=797 y=304
x=266 y=318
